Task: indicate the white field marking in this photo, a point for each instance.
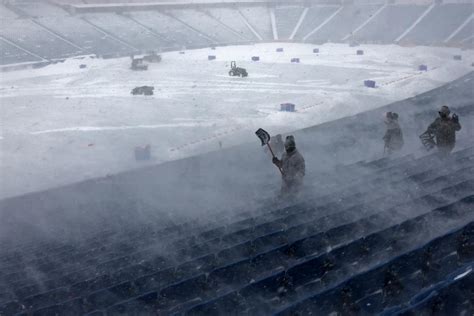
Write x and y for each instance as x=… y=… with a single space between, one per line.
x=210 y=91
x=188 y=26
x=163 y=88
x=241 y=80
x=250 y=26
x=408 y=76
x=322 y=24
x=57 y=35
x=167 y=84
x=459 y=28
x=313 y=81
x=146 y=28
x=274 y=27
x=309 y=107
x=207 y=139
x=311 y=89
x=115 y=128
x=107 y=34
x=421 y=17
x=277 y=84
x=401 y=78
x=22 y=49
x=300 y=21
x=106 y=91
x=366 y=22
x=230 y=29
x=230 y=83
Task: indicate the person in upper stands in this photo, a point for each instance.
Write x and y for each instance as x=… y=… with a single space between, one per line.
x=293 y=168
x=393 y=137
x=444 y=130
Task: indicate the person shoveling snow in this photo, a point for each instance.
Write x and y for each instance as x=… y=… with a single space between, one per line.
x=291 y=165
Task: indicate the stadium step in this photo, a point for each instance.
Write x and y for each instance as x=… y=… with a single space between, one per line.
x=278 y=293
x=453 y=296
x=285 y=219
x=132 y=267
x=319 y=266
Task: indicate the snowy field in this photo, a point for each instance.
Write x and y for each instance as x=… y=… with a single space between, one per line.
x=61 y=124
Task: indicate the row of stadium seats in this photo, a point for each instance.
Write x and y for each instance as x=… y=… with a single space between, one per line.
x=103 y=275
x=408 y=277
x=343 y=186
x=49 y=32
x=452 y=296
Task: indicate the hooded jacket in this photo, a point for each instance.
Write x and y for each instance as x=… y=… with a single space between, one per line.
x=393 y=136
x=444 y=129
x=293 y=167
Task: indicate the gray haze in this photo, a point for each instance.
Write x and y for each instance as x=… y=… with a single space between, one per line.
x=68 y=132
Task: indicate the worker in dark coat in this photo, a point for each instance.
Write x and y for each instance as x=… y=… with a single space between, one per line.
x=444 y=130
x=293 y=168
x=393 y=137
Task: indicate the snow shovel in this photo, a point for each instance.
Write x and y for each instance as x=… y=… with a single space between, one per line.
x=265 y=139
x=427 y=139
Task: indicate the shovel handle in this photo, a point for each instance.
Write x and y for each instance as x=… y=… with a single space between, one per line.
x=269 y=147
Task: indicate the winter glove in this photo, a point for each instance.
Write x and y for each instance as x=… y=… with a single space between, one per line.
x=275 y=160
x=455 y=118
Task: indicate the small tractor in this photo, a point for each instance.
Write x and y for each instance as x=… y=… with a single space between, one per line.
x=137 y=64
x=237 y=71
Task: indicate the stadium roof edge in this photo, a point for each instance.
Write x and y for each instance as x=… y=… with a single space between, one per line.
x=101 y=7
x=167 y=4
x=150 y=4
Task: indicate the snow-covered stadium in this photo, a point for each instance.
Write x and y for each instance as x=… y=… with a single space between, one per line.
x=132 y=181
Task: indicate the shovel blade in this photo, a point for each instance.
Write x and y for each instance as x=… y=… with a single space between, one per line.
x=263 y=136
